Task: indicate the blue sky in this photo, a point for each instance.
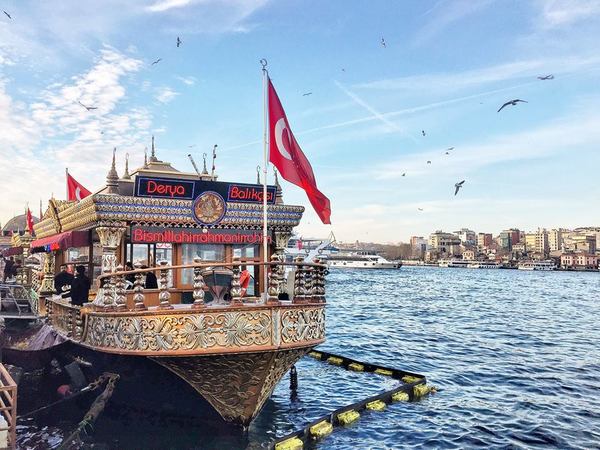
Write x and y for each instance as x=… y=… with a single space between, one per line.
x=447 y=67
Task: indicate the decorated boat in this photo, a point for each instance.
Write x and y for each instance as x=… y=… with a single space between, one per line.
x=219 y=318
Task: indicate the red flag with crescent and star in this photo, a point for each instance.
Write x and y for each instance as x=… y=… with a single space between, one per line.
x=75 y=190
x=285 y=154
x=29 y=221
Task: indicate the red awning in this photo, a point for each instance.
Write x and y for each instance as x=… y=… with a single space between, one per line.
x=61 y=241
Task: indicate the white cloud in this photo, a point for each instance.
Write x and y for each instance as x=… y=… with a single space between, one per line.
x=190 y=81
x=165 y=5
x=165 y=94
x=557 y=13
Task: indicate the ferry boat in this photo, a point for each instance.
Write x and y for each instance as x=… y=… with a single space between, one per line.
x=536 y=265
x=483 y=265
x=455 y=263
x=207 y=324
x=360 y=259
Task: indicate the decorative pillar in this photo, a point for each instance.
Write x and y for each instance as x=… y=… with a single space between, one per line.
x=138 y=290
x=163 y=285
x=108 y=291
x=120 y=292
x=236 y=290
x=198 y=285
x=274 y=280
x=47 y=285
x=281 y=240
x=110 y=238
x=299 y=291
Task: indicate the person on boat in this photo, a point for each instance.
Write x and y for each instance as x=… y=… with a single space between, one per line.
x=130 y=279
x=244 y=281
x=62 y=279
x=151 y=281
x=80 y=287
x=8 y=268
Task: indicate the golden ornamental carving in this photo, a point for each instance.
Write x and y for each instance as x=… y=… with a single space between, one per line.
x=299 y=325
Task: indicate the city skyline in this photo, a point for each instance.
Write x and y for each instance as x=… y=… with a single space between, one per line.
x=445 y=70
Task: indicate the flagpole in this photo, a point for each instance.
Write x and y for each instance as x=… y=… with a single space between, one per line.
x=67 y=183
x=263 y=62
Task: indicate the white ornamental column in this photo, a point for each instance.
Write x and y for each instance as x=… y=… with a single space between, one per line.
x=110 y=239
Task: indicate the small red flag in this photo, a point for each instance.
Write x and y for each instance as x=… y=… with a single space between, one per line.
x=29 y=221
x=287 y=156
x=75 y=190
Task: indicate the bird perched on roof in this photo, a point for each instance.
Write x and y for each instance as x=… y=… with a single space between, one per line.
x=457 y=186
x=512 y=102
x=157 y=61
x=546 y=77
x=89 y=108
x=7 y=14
x=383 y=42
x=306 y=94
x=178 y=42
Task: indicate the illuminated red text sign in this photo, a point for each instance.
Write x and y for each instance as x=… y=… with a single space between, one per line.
x=150 y=235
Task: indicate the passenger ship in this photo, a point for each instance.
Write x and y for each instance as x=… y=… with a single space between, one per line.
x=360 y=259
x=536 y=265
x=212 y=327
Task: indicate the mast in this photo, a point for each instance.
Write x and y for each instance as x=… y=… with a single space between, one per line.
x=263 y=62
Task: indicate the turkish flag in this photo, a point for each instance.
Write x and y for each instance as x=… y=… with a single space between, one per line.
x=75 y=190
x=287 y=156
x=29 y=221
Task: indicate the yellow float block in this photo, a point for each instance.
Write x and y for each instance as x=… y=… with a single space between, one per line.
x=315 y=355
x=421 y=390
x=376 y=405
x=356 y=367
x=348 y=417
x=400 y=397
x=335 y=360
x=410 y=379
x=321 y=429
x=290 y=444
x=387 y=373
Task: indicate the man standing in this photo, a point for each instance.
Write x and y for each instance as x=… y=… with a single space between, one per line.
x=80 y=288
x=62 y=279
x=8 y=268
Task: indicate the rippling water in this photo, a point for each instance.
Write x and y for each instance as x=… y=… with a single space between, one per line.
x=515 y=356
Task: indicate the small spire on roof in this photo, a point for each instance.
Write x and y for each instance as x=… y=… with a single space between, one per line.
x=279 y=191
x=257 y=174
x=145 y=157
x=153 y=157
x=126 y=175
x=204 y=170
x=112 y=179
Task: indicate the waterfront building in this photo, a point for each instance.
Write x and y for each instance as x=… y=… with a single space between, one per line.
x=418 y=246
x=484 y=240
x=556 y=239
x=468 y=255
x=505 y=240
x=447 y=244
x=537 y=242
x=581 y=241
x=466 y=236
x=578 y=260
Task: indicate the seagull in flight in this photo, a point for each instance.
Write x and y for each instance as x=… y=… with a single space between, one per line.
x=191 y=146
x=428 y=162
x=546 y=77
x=306 y=94
x=89 y=108
x=178 y=42
x=512 y=102
x=423 y=132
x=420 y=209
x=457 y=186
x=157 y=61
x=7 y=14
x=383 y=43
x=403 y=174
x=449 y=149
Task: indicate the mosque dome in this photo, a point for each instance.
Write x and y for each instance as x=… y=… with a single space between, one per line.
x=18 y=223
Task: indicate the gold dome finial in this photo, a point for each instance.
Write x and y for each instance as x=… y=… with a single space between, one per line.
x=126 y=175
x=112 y=179
x=153 y=157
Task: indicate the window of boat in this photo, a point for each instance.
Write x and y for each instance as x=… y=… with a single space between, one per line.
x=207 y=252
x=249 y=251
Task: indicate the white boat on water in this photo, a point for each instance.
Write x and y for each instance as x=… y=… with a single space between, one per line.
x=360 y=259
x=460 y=263
x=536 y=265
x=483 y=265
x=310 y=248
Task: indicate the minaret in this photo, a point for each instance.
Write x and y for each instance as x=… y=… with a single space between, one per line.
x=153 y=157
x=126 y=175
x=279 y=192
x=112 y=179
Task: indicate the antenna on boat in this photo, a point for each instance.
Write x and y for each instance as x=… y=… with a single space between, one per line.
x=194 y=164
x=257 y=174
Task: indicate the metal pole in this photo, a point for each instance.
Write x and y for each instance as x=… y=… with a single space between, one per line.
x=265 y=165
x=67 y=183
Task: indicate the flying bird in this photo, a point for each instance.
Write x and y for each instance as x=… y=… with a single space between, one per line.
x=447 y=153
x=428 y=162
x=423 y=132
x=404 y=174
x=449 y=149
x=7 y=14
x=191 y=146
x=178 y=42
x=343 y=70
x=546 y=77
x=89 y=108
x=157 y=61
x=457 y=186
x=512 y=102
x=306 y=94
x=420 y=209
x=383 y=43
